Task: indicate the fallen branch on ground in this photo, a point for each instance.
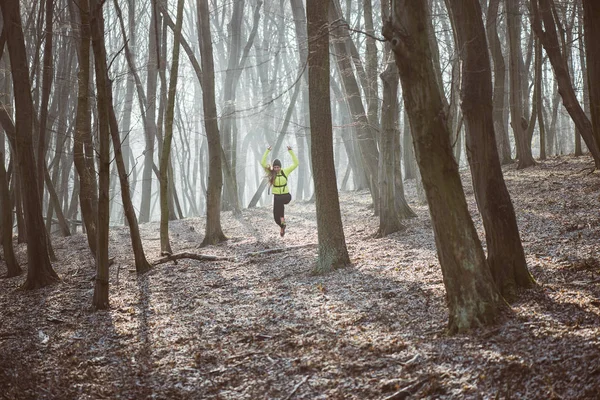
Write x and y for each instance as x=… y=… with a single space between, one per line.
x=277 y=250
x=205 y=257
x=191 y=256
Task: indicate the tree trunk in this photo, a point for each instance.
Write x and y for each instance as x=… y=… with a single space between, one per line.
x=100 y=299
x=39 y=271
x=165 y=245
x=213 y=233
x=542 y=14
x=539 y=99
x=502 y=141
x=513 y=22
x=333 y=253
x=82 y=143
x=367 y=140
x=46 y=88
x=150 y=128
x=506 y=257
x=591 y=16
x=389 y=219
x=6 y=210
x=472 y=297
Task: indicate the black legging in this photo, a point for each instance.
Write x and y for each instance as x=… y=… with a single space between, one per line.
x=279 y=202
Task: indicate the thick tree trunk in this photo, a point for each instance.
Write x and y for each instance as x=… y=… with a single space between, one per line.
x=473 y=299
x=39 y=270
x=506 y=257
x=213 y=233
x=333 y=253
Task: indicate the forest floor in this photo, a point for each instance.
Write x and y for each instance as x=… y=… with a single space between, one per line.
x=262 y=326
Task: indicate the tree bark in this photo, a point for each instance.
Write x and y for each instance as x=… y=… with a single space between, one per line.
x=82 y=142
x=39 y=271
x=502 y=141
x=506 y=257
x=150 y=128
x=165 y=244
x=333 y=253
x=472 y=297
x=513 y=26
x=6 y=210
x=213 y=233
x=591 y=16
x=100 y=298
x=389 y=218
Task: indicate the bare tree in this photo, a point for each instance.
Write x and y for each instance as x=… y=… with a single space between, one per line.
x=473 y=299
x=83 y=153
x=506 y=257
x=544 y=25
x=6 y=224
x=591 y=16
x=389 y=215
x=518 y=121
x=495 y=46
x=165 y=244
x=213 y=233
x=39 y=271
x=365 y=133
x=332 y=243
x=100 y=299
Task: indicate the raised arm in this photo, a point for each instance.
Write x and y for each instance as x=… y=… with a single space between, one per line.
x=263 y=162
x=294 y=162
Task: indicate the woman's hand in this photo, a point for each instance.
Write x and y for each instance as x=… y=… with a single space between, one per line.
x=269 y=148
x=289 y=147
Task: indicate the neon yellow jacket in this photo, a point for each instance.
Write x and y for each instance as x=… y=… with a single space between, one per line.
x=280 y=182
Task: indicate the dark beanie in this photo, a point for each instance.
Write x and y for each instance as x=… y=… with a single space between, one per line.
x=276 y=162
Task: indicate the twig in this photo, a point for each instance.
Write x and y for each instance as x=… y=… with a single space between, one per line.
x=296 y=388
x=407 y=390
x=252 y=353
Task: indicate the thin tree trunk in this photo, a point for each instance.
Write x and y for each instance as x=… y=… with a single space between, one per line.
x=389 y=219
x=213 y=233
x=165 y=245
x=82 y=143
x=6 y=210
x=518 y=121
x=502 y=141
